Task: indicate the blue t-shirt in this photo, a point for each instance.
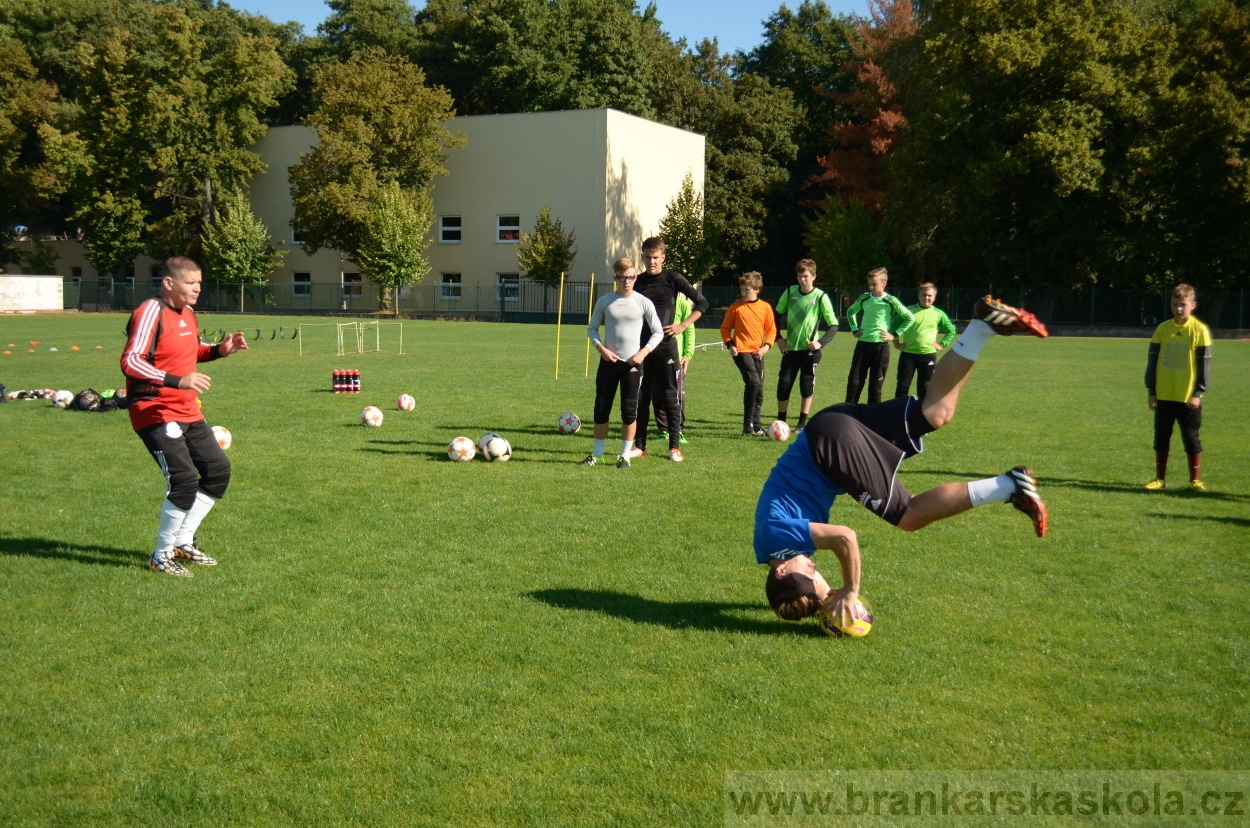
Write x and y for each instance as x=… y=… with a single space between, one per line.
x=795 y=493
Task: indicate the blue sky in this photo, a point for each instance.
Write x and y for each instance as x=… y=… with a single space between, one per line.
x=737 y=23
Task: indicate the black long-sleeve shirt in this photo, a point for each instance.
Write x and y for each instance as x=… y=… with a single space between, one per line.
x=662 y=290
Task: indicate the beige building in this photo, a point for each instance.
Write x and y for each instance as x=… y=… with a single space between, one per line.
x=606 y=175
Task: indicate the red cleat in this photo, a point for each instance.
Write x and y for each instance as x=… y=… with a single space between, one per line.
x=1026 y=498
x=1006 y=320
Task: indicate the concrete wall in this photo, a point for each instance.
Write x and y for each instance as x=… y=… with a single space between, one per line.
x=646 y=163
x=31 y=294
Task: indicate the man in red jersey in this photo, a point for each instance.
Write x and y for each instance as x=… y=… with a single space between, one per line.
x=163 y=349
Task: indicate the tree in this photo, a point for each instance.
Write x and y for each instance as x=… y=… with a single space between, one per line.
x=393 y=245
x=237 y=245
x=805 y=51
x=165 y=109
x=685 y=233
x=853 y=166
x=846 y=241
x=537 y=55
x=376 y=122
x=356 y=26
x=28 y=112
x=1189 y=181
x=549 y=252
x=1023 y=114
x=748 y=124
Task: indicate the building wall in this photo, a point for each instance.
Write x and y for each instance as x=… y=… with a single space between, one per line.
x=645 y=165
x=606 y=175
x=270 y=194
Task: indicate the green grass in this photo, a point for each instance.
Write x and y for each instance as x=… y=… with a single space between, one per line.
x=395 y=639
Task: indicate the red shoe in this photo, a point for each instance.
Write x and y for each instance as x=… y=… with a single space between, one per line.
x=1006 y=320
x=1026 y=498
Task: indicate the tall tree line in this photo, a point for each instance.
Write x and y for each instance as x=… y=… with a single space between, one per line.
x=1064 y=143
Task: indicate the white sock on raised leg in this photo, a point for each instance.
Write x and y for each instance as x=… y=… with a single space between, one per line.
x=973 y=339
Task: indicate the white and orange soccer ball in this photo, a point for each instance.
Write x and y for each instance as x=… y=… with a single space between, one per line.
x=371 y=416
x=405 y=402
x=461 y=450
x=224 y=439
x=569 y=423
x=779 y=430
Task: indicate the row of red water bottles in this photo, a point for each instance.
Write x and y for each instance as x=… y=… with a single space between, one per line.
x=347 y=382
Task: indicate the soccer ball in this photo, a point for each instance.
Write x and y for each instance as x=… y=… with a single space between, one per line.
x=484 y=439
x=859 y=629
x=62 y=399
x=779 y=431
x=371 y=416
x=461 y=450
x=223 y=437
x=405 y=402
x=496 y=449
x=569 y=423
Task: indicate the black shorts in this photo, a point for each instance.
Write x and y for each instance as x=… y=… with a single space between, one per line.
x=860 y=447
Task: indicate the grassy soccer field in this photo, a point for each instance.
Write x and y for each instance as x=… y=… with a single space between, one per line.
x=395 y=639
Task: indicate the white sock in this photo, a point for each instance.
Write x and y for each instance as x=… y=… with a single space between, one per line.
x=599 y=447
x=973 y=339
x=626 y=447
x=991 y=490
x=171 y=521
x=195 y=516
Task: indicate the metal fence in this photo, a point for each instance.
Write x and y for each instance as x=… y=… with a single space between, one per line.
x=527 y=301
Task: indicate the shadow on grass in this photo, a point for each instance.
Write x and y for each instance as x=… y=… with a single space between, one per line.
x=438 y=451
x=1098 y=485
x=79 y=553
x=678 y=615
x=1230 y=520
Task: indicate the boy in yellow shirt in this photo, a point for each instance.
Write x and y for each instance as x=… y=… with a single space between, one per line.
x=749 y=331
x=1177 y=372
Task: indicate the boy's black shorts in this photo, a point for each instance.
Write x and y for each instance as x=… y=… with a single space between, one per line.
x=860 y=447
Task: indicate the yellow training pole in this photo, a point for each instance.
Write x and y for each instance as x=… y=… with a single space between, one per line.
x=590 y=311
x=559 y=319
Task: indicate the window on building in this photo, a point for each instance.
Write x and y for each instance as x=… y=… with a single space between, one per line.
x=509 y=289
x=352 y=286
x=75 y=273
x=449 y=285
x=509 y=229
x=301 y=284
x=297 y=236
x=449 y=230
x=129 y=273
x=154 y=276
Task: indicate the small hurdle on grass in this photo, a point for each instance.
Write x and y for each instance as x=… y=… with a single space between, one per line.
x=354 y=333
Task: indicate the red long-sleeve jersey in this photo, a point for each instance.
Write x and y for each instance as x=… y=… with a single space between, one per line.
x=162 y=347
